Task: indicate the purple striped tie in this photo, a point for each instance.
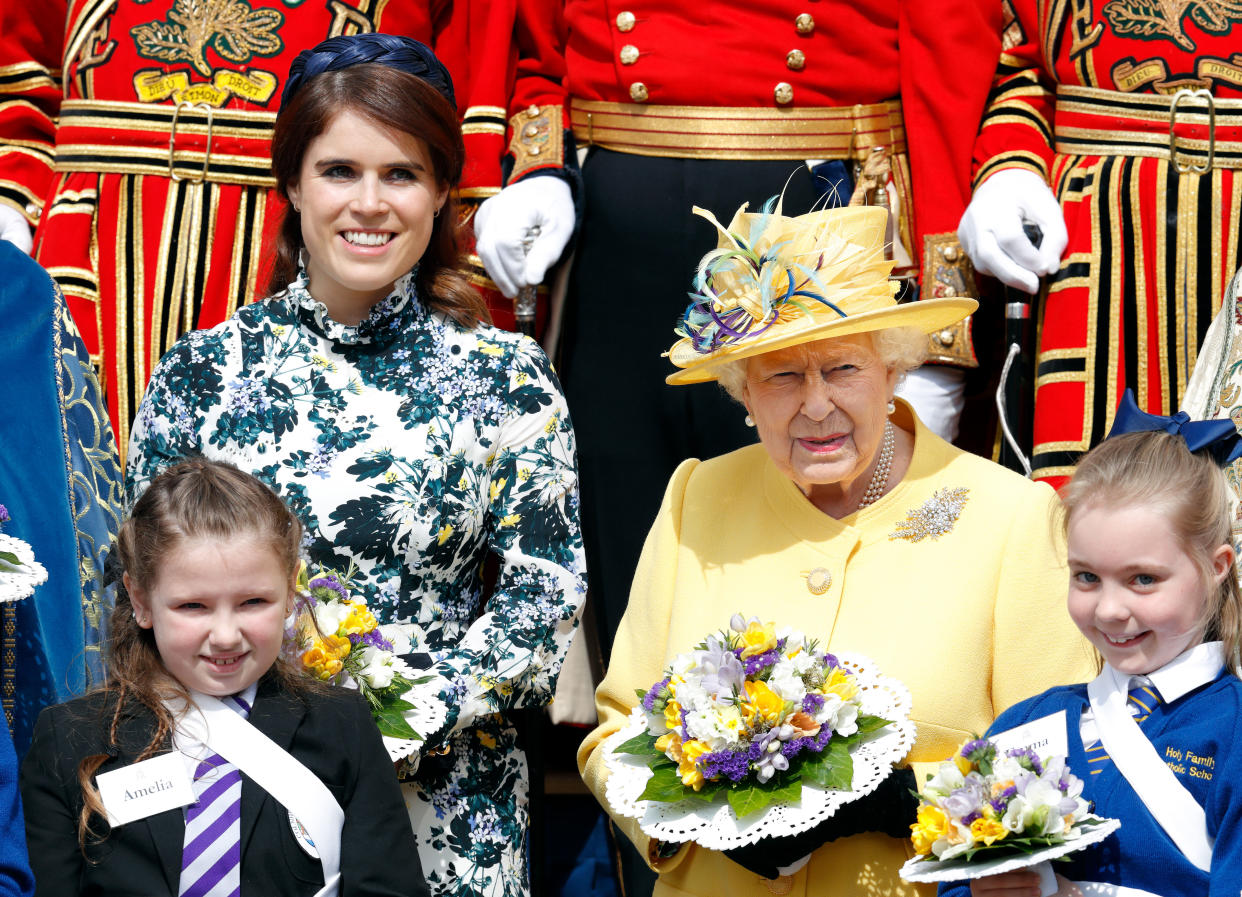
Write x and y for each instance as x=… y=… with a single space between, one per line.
x=211 y=858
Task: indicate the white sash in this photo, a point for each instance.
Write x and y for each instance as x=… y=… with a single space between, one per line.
x=1104 y=889
x=1167 y=799
x=277 y=772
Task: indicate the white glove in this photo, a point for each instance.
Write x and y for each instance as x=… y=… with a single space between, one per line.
x=991 y=230
x=13 y=227
x=501 y=225
x=937 y=394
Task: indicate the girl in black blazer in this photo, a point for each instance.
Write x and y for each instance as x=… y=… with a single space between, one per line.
x=209 y=555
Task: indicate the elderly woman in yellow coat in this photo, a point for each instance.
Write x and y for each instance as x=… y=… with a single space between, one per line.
x=850 y=521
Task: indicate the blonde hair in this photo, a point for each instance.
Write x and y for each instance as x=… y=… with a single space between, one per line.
x=1156 y=469
x=899 y=348
x=195 y=498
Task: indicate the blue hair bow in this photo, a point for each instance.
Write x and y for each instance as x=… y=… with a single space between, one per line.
x=395 y=51
x=1219 y=438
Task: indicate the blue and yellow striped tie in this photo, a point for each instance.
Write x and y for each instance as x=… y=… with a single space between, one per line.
x=1140 y=699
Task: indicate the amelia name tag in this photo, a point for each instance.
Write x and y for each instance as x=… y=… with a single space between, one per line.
x=144 y=789
x=1046 y=736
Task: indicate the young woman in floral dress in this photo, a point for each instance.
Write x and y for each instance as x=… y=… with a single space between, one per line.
x=410 y=437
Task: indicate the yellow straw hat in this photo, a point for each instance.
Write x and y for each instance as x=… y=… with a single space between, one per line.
x=774 y=282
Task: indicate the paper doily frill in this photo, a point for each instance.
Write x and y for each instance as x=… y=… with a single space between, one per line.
x=714 y=825
x=19 y=580
x=920 y=869
x=428 y=715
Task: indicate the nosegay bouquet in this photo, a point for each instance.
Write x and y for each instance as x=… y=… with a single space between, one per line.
x=749 y=720
x=337 y=639
x=985 y=806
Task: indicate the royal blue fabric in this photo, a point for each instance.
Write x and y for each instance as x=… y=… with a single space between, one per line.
x=61 y=482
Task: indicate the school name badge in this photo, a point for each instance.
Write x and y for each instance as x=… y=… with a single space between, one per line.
x=144 y=789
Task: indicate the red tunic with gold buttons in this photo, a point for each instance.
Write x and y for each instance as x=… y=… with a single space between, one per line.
x=788 y=72
x=1084 y=96
x=135 y=135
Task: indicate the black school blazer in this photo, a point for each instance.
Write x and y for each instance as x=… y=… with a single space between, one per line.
x=332 y=735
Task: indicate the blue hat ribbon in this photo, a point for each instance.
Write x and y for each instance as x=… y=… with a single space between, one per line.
x=1219 y=438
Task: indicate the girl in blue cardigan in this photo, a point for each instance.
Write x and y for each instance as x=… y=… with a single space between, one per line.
x=1157 y=737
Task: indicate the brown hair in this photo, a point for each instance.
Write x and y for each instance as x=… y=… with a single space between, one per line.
x=193 y=499
x=1156 y=469
x=400 y=102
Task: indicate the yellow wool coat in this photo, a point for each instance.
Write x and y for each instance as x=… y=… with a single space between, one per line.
x=972 y=620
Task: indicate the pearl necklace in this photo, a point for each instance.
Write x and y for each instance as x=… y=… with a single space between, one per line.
x=879 y=479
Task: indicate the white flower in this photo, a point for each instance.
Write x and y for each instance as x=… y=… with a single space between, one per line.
x=717 y=727
x=376 y=667
x=787 y=682
x=946 y=780
x=330 y=615
x=838 y=715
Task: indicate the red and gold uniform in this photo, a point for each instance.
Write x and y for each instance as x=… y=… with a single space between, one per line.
x=135 y=134
x=1086 y=96
x=713 y=103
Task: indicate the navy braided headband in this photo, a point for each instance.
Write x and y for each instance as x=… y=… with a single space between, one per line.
x=336 y=53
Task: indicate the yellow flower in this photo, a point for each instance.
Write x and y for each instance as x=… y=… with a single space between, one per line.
x=390 y=477
x=672 y=714
x=323 y=658
x=354 y=386
x=523 y=474
x=964 y=766
x=490 y=349
x=498 y=487
x=840 y=684
x=510 y=519
x=522 y=378
x=669 y=744
x=689 y=771
x=551 y=424
x=279 y=329
x=987 y=830
x=486 y=740
x=359 y=621
x=322 y=362
x=763 y=703
x=443 y=533
x=932 y=825
x=758 y=638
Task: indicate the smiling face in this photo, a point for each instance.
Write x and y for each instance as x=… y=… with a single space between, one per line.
x=820 y=410
x=217 y=610
x=1135 y=592
x=367 y=198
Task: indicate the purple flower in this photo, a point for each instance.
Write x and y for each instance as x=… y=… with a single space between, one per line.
x=1001 y=801
x=654 y=692
x=732 y=765
x=830 y=661
x=971 y=817
x=1030 y=756
x=812 y=703
x=722 y=671
x=328 y=582
x=759 y=661
x=4 y=514
x=376 y=640
x=971 y=747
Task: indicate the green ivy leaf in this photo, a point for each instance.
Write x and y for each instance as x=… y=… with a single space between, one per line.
x=391 y=723
x=832 y=770
x=642 y=744
x=664 y=785
x=752 y=799
x=868 y=724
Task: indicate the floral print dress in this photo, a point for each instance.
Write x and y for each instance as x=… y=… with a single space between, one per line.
x=413 y=447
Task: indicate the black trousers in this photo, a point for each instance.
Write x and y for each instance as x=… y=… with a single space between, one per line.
x=636 y=257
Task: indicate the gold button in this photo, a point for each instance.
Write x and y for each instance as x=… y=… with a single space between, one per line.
x=949 y=253
x=34 y=210
x=531 y=131
x=949 y=292
x=532 y=110
x=638 y=92
x=783 y=93
x=625 y=21
x=629 y=54
x=945 y=337
x=804 y=23
x=796 y=60
x=819 y=580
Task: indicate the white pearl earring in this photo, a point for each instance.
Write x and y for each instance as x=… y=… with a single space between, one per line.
x=749 y=421
x=892 y=406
